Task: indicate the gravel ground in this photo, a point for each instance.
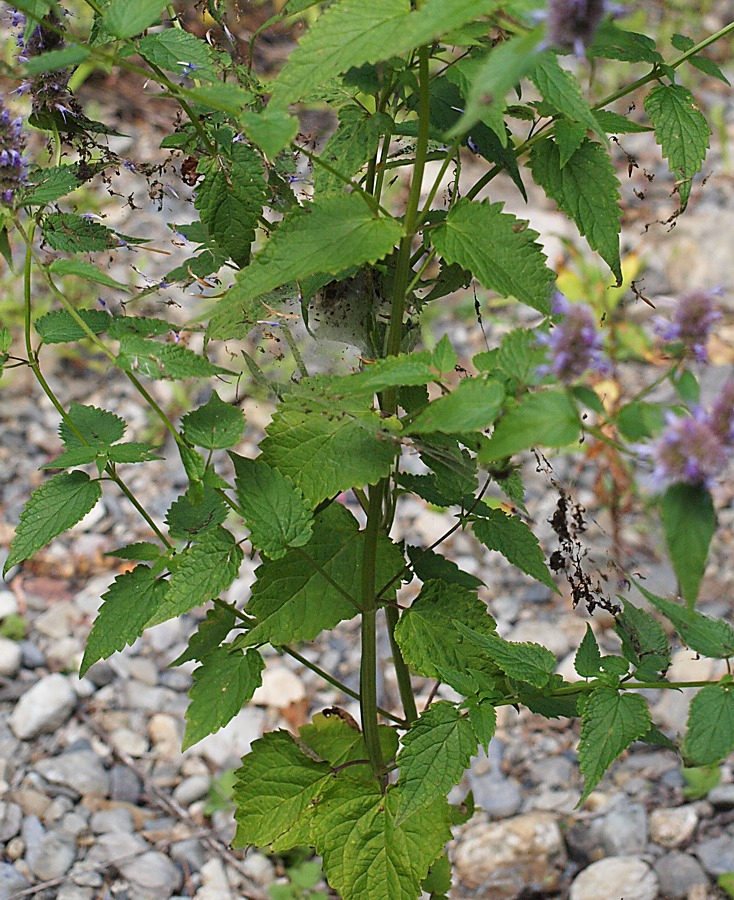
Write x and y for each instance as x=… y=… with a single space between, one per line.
x=96 y=799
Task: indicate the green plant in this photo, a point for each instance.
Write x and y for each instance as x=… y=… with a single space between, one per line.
x=409 y=83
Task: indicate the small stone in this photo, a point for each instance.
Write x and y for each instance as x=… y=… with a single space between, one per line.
x=153 y=871
x=191 y=789
x=101 y=674
x=10 y=657
x=43 y=708
x=716 y=855
x=125 y=786
x=224 y=824
x=75 y=892
x=117 y=818
x=11 y=881
x=66 y=653
x=143 y=669
x=33 y=802
x=57 y=621
x=164 y=732
x=31 y=656
x=58 y=807
x=671 y=827
x=498 y=797
x=108 y=848
x=130 y=742
x=258 y=868
x=11 y=815
x=503 y=859
x=176 y=679
x=165 y=635
x=73 y=824
x=81 y=771
x=189 y=854
x=722 y=796
x=280 y=687
x=614 y=878
x=49 y=854
x=623 y=829
x=15 y=848
x=678 y=873
x=225 y=748
x=8 y=603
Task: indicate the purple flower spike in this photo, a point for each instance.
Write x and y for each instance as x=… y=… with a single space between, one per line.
x=572 y=24
x=694 y=317
x=722 y=415
x=574 y=344
x=12 y=162
x=688 y=451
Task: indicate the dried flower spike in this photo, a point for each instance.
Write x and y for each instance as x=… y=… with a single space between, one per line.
x=49 y=90
x=694 y=317
x=574 y=344
x=572 y=24
x=722 y=415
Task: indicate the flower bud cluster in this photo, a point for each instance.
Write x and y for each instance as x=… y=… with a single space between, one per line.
x=694 y=317
x=572 y=24
x=13 y=164
x=49 y=90
x=574 y=344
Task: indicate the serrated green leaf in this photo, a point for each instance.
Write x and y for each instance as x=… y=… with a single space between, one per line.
x=435 y=751
x=520 y=355
x=613 y=42
x=703 y=634
x=141 y=551
x=587 y=661
x=142 y=325
x=76 y=456
x=523 y=661
x=132 y=452
x=510 y=536
x=331 y=452
x=501 y=69
x=444 y=358
x=425 y=486
x=616 y=666
x=644 y=641
x=54 y=507
x=98 y=427
x=274 y=509
x=335 y=740
x=219 y=621
x=585 y=188
x=569 y=136
x=614 y=123
x=366 y=852
x=327 y=236
x=126 y=608
x=407 y=369
x=75 y=234
x=354 y=142
x=561 y=89
x=473 y=405
x=176 y=50
x=611 y=722
x=84 y=270
x=498 y=249
x=222 y=95
x=189 y=517
x=542 y=419
x=353 y=33
x=145 y=357
x=216 y=425
x=271 y=129
x=274 y=787
x=682 y=132
x=230 y=200
x=689 y=522
x=431 y=566
x=126 y=18
x=223 y=683
x=202 y=572
x=47 y=185
x=428 y=632
x=710 y=728
x=70 y=55
x=483 y=718
x=313 y=588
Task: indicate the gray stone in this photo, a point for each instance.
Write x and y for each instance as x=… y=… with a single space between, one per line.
x=44 y=707
x=553 y=771
x=49 y=854
x=125 y=786
x=153 y=871
x=189 y=854
x=11 y=881
x=623 y=830
x=8 y=603
x=75 y=892
x=101 y=673
x=176 y=679
x=11 y=815
x=502 y=859
x=10 y=657
x=615 y=878
x=678 y=873
x=258 y=868
x=671 y=827
x=116 y=818
x=116 y=848
x=716 y=855
x=31 y=656
x=722 y=796
x=498 y=797
x=81 y=771
x=192 y=788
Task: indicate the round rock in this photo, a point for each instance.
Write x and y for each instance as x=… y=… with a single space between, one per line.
x=44 y=707
x=678 y=873
x=615 y=877
x=671 y=827
x=153 y=871
x=502 y=859
x=81 y=771
x=10 y=657
x=11 y=881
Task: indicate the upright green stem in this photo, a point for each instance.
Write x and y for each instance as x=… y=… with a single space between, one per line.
x=368 y=668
